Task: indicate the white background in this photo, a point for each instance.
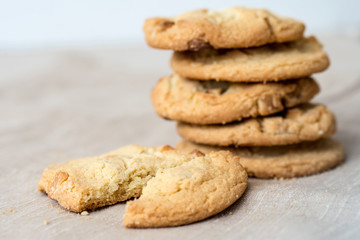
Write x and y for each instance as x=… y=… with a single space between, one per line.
x=76 y=23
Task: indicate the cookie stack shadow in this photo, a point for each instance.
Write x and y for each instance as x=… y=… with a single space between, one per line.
x=246 y=88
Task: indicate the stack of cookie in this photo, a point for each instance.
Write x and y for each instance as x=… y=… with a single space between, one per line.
x=242 y=83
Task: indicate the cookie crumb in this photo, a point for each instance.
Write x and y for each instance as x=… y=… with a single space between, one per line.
x=293 y=178
x=60 y=210
x=84 y=213
x=46 y=222
x=10 y=210
x=230 y=213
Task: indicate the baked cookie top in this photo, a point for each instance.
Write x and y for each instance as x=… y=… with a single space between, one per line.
x=274 y=62
x=288 y=161
x=235 y=27
x=211 y=102
x=307 y=122
x=174 y=188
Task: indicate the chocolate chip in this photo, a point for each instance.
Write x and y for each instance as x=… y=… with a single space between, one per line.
x=214 y=87
x=197 y=44
x=166 y=24
x=197 y=153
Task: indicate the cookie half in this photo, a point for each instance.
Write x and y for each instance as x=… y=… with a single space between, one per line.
x=236 y=27
x=306 y=122
x=211 y=102
x=174 y=188
x=274 y=62
x=288 y=161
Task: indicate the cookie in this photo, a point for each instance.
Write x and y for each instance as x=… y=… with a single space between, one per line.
x=288 y=161
x=211 y=102
x=174 y=188
x=274 y=62
x=306 y=122
x=236 y=27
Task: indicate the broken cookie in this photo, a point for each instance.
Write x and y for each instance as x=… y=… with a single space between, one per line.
x=173 y=188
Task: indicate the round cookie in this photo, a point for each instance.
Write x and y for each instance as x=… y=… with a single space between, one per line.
x=288 y=161
x=174 y=188
x=278 y=61
x=306 y=122
x=236 y=27
x=211 y=102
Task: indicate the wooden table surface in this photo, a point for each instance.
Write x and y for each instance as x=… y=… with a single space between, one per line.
x=57 y=105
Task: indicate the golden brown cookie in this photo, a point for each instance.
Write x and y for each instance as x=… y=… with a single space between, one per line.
x=236 y=27
x=211 y=102
x=288 y=161
x=274 y=62
x=174 y=188
x=306 y=122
